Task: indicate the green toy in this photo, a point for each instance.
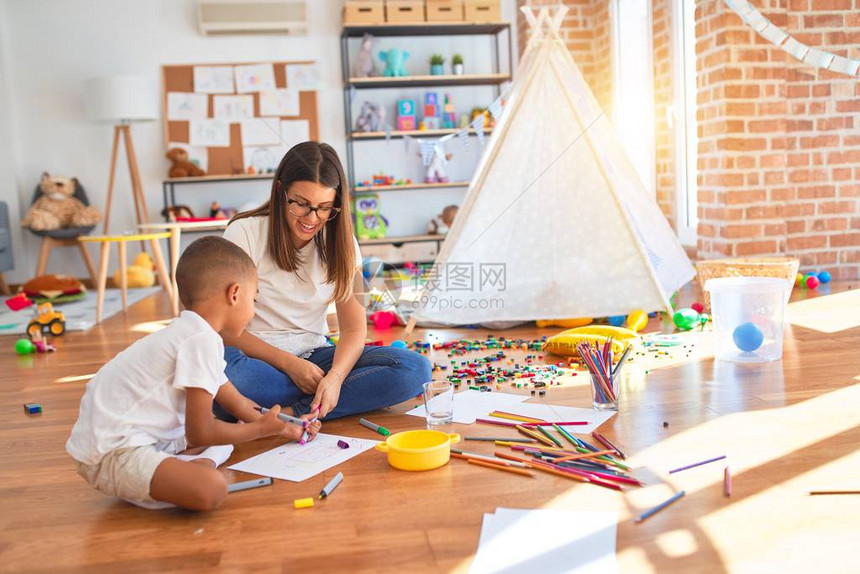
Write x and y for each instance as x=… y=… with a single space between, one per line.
x=394 y=60
x=687 y=319
x=24 y=347
x=369 y=221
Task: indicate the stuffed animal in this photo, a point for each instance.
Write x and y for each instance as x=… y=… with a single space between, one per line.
x=369 y=221
x=181 y=166
x=57 y=207
x=394 y=60
x=139 y=273
x=436 y=168
x=175 y=212
x=441 y=224
x=365 y=66
x=371 y=119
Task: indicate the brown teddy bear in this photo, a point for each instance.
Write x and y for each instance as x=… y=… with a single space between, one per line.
x=57 y=207
x=181 y=166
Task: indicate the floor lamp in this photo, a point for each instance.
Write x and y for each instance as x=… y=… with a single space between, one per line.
x=123 y=100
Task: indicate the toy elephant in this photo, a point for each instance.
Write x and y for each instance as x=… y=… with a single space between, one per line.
x=394 y=60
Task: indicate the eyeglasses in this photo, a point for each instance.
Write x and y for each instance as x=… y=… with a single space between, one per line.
x=300 y=209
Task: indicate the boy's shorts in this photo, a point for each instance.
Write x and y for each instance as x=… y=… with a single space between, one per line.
x=127 y=473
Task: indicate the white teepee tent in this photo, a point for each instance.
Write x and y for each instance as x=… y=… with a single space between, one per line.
x=556 y=223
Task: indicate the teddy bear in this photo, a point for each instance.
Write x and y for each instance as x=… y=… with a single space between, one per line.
x=365 y=66
x=441 y=224
x=57 y=207
x=181 y=166
x=371 y=119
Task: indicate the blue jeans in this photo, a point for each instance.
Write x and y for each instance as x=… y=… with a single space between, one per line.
x=382 y=376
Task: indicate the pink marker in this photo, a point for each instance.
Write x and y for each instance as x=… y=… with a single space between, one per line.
x=727 y=481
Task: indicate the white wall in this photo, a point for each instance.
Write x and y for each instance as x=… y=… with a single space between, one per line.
x=48 y=48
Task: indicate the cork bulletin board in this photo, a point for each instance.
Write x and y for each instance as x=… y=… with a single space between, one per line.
x=230 y=157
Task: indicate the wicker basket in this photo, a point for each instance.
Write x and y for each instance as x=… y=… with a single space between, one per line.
x=780 y=267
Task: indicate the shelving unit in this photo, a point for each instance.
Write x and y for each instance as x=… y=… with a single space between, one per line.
x=500 y=35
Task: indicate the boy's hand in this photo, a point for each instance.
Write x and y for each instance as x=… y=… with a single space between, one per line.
x=270 y=424
x=328 y=393
x=294 y=432
x=305 y=375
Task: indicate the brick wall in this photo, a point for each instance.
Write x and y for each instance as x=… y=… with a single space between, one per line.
x=664 y=145
x=779 y=150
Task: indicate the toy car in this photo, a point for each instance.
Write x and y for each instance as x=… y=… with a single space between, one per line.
x=47 y=321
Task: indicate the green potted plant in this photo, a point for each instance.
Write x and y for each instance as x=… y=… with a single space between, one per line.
x=457 y=64
x=437 y=65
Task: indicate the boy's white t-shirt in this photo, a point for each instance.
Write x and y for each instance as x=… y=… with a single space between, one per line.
x=290 y=312
x=138 y=398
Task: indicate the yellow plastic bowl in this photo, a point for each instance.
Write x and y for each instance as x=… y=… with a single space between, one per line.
x=418 y=449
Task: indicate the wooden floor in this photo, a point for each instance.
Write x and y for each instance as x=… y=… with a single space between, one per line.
x=785 y=427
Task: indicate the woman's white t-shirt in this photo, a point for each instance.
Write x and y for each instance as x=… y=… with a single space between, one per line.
x=138 y=398
x=290 y=312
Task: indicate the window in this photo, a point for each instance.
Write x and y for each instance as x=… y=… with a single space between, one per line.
x=684 y=119
x=633 y=84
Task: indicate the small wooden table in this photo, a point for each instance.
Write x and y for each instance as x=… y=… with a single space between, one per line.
x=121 y=241
x=175 y=229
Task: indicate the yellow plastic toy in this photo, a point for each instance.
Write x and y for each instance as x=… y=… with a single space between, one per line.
x=418 y=449
x=637 y=320
x=565 y=323
x=47 y=321
x=564 y=344
x=139 y=273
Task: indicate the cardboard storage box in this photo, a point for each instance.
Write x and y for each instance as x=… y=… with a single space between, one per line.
x=364 y=12
x=482 y=10
x=404 y=11
x=444 y=10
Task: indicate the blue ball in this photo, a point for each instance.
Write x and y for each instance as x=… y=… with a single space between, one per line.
x=824 y=277
x=398 y=344
x=617 y=320
x=812 y=274
x=748 y=337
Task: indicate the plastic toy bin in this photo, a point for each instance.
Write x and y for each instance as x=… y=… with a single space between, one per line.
x=748 y=315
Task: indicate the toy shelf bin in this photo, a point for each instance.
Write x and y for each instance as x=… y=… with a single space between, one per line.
x=781 y=267
x=748 y=315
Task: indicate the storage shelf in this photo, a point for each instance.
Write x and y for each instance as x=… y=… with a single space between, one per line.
x=394 y=134
x=402 y=239
x=429 y=81
x=424 y=29
x=217 y=178
x=375 y=188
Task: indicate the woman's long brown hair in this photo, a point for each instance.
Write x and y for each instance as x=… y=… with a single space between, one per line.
x=318 y=163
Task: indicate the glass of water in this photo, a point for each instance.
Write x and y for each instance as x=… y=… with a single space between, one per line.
x=439 y=403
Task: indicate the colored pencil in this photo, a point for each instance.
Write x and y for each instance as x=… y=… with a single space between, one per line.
x=549 y=436
x=695 y=464
x=457 y=453
x=583 y=455
x=835 y=491
x=727 y=481
x=519 y=471
x=515 y=417
x=542 y=467
x=570 y=438
x=499 y=423
x=660 y=506
x=605 y=442
x=560 y=423
x=533 y=434
x=495 y=438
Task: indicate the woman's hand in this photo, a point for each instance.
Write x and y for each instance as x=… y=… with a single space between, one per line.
x=306 y=375
x=294 y=432
x=328 y=393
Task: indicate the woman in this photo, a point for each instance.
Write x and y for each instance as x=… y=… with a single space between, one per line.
x=306 y=255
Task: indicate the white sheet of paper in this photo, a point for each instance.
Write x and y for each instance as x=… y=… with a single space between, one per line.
x=187 y=106
x=196 y=155
x=295 y=462
x=213 y=79
x=294 y=132
x=470 y=405
x=571 y=542
x=303 y=76
x=233 y=108
x=263 y=158
x=556 y=413
x=279 y=102
x=209 y=133
x=261 y=131
x=255 y=78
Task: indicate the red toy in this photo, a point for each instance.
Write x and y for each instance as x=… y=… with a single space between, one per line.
x=698 y=307
x=383 y=319
x=18 y=302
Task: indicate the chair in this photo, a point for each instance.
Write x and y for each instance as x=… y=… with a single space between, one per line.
x=66 y=237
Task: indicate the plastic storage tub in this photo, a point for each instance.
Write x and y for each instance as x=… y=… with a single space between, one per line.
x=748 y=315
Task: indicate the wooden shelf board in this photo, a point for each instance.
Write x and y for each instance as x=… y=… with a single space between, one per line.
x=375 y=188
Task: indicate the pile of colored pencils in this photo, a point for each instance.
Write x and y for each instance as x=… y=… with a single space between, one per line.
x=603 y=372
x=581 y=461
